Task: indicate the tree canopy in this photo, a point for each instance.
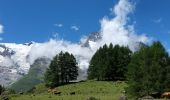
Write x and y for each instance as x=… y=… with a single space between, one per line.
x=62 y=70
x=109 y=63
x=149 y=71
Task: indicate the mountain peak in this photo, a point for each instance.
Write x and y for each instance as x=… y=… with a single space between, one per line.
x=29 y=43
x=94 y=36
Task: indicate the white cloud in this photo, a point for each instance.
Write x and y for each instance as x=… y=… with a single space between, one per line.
x=58 y=25
x=83 y=39
x=1 y=29
x=159 y=20
x=116 y=30
x=74 y=28
x=52 y=47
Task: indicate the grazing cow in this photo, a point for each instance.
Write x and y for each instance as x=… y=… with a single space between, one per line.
x=165 y=94
x=72 y=93
x=54 y=91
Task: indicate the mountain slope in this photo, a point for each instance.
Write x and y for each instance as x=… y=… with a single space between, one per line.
x=34 y=76
x=92 y=37
x=101 y=90
x=13 y=63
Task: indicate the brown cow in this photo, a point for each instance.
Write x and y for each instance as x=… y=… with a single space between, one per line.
x=165 y=94
x=54 y=91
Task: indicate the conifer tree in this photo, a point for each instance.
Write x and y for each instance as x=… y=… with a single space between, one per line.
x=109 y=63
x=148 y=72
x=62 y=70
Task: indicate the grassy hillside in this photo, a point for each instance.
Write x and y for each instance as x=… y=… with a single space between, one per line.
x=34 y=76
x=99 y=89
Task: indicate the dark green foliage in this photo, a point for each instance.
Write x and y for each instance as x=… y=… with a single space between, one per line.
x=109 y=63
x=62 y=70
x=2 y=89
x=11 y=91
x=148 y=72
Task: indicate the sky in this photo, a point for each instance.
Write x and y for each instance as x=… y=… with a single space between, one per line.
x=40 y=20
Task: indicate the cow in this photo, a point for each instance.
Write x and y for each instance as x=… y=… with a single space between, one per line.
x=165 y=95
x=54 y=91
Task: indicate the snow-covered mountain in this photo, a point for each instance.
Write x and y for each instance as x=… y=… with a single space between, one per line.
x=91 y=39
x=34 y=76
x=13 y=62
x=16 y=59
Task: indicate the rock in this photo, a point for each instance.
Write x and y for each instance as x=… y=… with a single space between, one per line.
x=72 y=93
x=122 y=98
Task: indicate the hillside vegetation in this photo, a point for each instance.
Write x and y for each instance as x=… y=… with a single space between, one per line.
x=101 y=90
x=34 y=76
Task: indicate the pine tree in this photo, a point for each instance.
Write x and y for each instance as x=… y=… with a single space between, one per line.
x=62 y=70
x=148 y=72
x=53 y=73
x=109 y=63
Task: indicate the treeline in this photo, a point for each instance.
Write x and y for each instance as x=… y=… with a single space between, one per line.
x=147 y=71
x=109 y=63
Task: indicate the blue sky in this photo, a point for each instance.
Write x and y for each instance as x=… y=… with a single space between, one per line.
x=26 y=20
x=38 y=20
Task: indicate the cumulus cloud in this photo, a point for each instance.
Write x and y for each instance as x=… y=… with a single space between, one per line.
x=1 y=29
x=53 y=47
x=83 y=39
x=58 y=25
x=116 y=30
x=76 y=28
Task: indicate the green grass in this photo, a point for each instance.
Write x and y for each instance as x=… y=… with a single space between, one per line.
x=99 y=89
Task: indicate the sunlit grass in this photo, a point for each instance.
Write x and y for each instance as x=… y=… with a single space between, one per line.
x=99 y=89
